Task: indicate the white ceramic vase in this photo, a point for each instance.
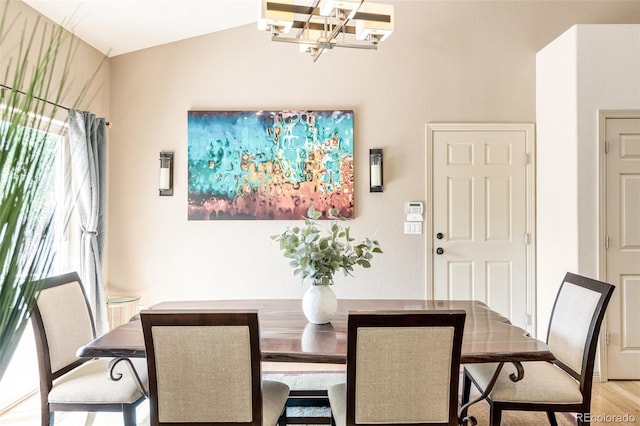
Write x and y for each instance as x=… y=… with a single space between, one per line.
x=319 y=304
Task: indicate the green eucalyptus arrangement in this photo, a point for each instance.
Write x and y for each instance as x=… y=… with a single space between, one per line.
x=318 y=252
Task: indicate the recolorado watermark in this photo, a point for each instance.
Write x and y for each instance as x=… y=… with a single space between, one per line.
x=606 y=418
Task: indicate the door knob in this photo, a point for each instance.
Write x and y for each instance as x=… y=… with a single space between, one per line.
x=439 y=235
x=439 y=250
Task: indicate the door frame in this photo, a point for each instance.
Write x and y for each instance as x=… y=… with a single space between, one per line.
x=603 y=115
x=530 y=206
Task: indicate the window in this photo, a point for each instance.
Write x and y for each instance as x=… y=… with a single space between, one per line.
x=21 y=378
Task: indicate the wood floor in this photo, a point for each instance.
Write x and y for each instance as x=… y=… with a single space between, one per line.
x=616 y=398
x=613 y=403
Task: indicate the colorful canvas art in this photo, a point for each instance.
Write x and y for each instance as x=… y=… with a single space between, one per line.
x=269 y=164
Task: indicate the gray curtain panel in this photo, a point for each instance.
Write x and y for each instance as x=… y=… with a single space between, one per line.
x=87 y=140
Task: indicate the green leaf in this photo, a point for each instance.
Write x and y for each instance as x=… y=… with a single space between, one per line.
x=312 y=213
x=321 y=251
x=37 y=68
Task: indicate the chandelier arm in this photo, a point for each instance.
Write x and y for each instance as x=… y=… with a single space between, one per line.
x=293 y=40
x=341 y=25
x=308 y=20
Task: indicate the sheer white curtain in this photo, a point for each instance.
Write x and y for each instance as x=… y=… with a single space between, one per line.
x=87 y=142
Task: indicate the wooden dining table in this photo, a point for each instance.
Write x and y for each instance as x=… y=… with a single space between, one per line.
x=287 y=336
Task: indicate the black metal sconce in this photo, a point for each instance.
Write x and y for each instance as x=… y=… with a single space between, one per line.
x=375 y=170
x=166 y=173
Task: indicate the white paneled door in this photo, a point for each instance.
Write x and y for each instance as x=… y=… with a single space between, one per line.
x=482 y=236
x=622 y=246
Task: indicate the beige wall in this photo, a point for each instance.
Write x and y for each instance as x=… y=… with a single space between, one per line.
x=586 y=69
x=556 y=120
x=86 y=59
x=447 y=61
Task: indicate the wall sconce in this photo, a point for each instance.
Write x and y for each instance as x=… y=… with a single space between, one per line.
x=375 y=170
x=166 y=173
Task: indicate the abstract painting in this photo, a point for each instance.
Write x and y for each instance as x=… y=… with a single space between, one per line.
x=269 y=164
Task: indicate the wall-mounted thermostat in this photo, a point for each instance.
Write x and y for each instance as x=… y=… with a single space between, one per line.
x=413 y=224
x=414 y=211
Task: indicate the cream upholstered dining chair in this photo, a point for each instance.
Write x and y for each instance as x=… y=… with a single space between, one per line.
x=204 y=369
x=403 y=368
x=62 y=323
x=563 y=385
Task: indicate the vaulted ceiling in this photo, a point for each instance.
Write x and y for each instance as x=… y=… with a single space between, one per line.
x=115 y=27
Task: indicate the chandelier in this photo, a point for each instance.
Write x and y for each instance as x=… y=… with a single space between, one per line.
x=326 y=24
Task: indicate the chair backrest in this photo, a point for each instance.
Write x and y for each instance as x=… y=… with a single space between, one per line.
x=204 y=366
x=403 y=367
x=62 y=323
x=575 y=321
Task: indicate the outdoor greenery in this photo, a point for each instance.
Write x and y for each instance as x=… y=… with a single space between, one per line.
x=318 y=252
x=34 y=81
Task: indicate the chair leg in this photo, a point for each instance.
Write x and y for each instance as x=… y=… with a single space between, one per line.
x=466 y=388
x=282 y=420
x=47 y=418
x=495 y=415
x=129 y=415
x=552 y=418
x=91 y=417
